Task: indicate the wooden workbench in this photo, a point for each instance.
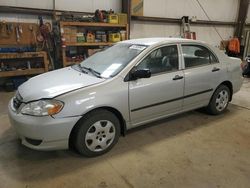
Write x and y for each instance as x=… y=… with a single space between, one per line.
x=24 y=55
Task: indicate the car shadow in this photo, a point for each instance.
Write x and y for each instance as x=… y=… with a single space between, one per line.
x=24 y=164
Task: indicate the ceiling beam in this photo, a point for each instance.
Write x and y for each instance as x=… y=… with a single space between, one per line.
x=178 y=21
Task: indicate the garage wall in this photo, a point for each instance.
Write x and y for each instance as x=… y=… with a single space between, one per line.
x=88 y=5
x=248 y=15
x=204 y=33
x=226 y=10
x=74 y=5
x=44 y=4
x=218 y=10
x=67 y=5
x=21 y=18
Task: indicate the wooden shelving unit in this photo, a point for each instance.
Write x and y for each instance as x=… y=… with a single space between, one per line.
x=88 y=43
x=25 y=55
x=21 y=72
x=90 y=26
x=21 y=63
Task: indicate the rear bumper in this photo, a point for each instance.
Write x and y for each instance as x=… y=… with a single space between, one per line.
x=48 y=132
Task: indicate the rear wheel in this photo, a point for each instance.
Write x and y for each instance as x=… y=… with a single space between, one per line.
x=97 y=133
x=219 y=101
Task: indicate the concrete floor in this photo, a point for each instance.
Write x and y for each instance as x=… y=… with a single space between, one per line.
x=188 y=150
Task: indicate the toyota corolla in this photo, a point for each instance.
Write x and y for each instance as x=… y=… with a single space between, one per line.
x=88 y=106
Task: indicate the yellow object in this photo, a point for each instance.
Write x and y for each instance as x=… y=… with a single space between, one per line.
x=123 y=18
x=114 y=37
x=137 y=7
x=113 y=18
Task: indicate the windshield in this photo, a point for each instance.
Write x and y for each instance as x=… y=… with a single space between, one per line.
x=111 y=61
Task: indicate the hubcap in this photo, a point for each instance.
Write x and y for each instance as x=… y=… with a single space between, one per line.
x=100 y=135
x=221 y=100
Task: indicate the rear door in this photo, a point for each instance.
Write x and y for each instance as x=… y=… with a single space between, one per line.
x=161 y=94
x=201 y=72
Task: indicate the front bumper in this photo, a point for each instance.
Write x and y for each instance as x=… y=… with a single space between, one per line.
x=52 y=133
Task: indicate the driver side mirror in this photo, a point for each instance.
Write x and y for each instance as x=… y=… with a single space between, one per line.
x=141 y=73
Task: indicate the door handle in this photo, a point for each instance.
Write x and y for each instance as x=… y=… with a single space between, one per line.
x=177 y=77
x=215 y=69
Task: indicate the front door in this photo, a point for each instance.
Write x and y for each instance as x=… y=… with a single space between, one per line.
x=162 y=93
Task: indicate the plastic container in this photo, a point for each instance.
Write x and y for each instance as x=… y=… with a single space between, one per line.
x=113 y=18
x=123 y=35
x=114 y=37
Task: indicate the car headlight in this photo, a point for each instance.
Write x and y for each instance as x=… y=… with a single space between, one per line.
x=42 y=108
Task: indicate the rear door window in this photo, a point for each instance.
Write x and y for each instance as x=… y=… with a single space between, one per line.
x=195 y=55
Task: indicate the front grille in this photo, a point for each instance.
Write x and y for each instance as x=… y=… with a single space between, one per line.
x=17 y=101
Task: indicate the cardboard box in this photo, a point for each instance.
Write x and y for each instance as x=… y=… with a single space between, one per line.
x=73 y=38
x=70 y=37
x=137 y=7
x=224 y=44
x=70 y=30
x=123 y=18
x=67 y=38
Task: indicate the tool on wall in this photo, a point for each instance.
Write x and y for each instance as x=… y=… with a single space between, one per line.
x=4 y=30
x=10 y=28
x=32 y=30
x=17 y=34
x=20 y=28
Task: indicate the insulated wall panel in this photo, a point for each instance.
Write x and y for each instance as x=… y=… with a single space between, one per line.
x=218 y=10
x=204 y=33
x=44 y=4
x=88 y=5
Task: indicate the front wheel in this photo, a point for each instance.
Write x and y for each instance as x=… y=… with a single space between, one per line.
x=97 y=133
x=219 y=101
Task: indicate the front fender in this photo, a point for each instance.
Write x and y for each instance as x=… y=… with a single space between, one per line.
x=112 y=94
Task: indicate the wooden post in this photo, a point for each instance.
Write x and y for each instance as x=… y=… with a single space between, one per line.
x=126 y=8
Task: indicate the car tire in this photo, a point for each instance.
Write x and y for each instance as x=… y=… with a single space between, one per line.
x=219 y=101
x=96 y=133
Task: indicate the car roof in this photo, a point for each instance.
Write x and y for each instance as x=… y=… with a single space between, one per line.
x=153 y=41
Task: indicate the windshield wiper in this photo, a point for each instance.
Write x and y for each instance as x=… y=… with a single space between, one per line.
x=95 y=73
x=80 y=67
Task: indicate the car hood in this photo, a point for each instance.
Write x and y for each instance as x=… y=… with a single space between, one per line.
x=54 y=83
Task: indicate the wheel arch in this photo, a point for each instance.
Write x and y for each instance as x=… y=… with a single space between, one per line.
x=116 y=112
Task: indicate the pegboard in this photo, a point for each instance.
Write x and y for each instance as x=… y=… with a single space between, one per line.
x=8 y=33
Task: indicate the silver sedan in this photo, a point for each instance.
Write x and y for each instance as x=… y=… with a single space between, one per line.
x=88 y=106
